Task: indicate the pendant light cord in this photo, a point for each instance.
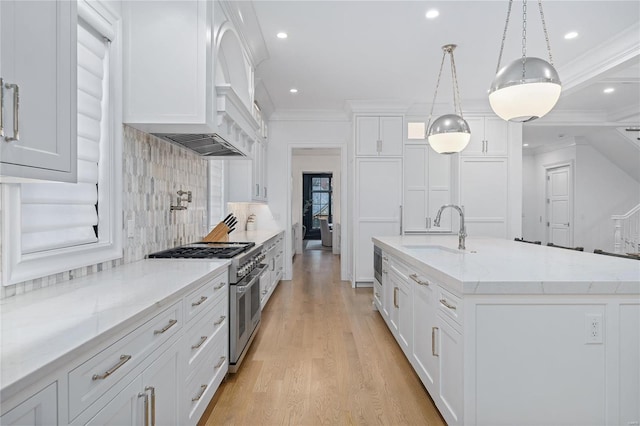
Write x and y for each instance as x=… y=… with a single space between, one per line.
x=504 y=35
x=435 y=94
x=546 y=34
x=457 y=103
x=524 y=38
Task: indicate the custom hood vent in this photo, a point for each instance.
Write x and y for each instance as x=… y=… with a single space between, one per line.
x=212 y=145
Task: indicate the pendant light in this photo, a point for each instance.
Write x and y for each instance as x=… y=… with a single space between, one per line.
x=529 y=87
x=449 y=133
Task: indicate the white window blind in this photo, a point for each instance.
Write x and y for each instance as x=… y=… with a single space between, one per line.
x=57 y=215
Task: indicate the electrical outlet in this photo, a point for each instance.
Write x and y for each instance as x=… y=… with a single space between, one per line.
x=131 y=228
x=593 y=328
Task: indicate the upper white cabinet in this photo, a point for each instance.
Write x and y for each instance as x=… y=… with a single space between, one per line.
x=185 y=75
x=489 y=136
x=379 y=136
x=38 y=89
x=246 y=180
x=427 y=186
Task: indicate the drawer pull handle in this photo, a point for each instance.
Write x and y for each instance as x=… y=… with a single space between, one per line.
x=415 y=278
x=433 y=341
x=153 y=403
x=219 y=286
x=123 y=361
x=222 y=318
x=166 y=327
x=447 y=304
x=222 y=359
x=202 y=389
x=16 y=111
x=202 y=340
x=200 y=302
x=395 y=297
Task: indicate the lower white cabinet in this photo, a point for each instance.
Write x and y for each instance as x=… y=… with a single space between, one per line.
x=448 y=351
x=401 y=309
x=275 y=267
x=425 y=327
x=151 y=398
x=39 y=410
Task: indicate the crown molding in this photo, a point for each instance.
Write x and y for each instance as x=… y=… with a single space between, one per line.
x=245 y=21
x=309 y=115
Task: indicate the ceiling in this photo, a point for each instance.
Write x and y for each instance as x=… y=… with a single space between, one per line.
x=338 y=53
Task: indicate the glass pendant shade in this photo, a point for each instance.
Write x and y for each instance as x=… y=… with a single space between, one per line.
x=449 y=134
x=519 y=98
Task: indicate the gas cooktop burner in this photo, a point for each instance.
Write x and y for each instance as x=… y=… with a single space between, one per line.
x=216 y=250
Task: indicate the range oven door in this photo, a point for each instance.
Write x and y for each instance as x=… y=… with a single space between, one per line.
x=244 y=310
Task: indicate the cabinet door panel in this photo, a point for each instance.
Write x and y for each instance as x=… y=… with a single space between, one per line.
x=450 y=378
x=367 y=135
x=496 y=135
x=391 y=135
x=38 y=53
x=379 y=188
x=405 y=320
x=424 y=319
x=629 y=372
x=162 y=375
x=364 y=249
x=123 y=410
x=476 y=145
x=40 y=409
x=483 y=194
x=416 y=161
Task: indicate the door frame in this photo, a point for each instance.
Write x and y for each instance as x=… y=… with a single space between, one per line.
x=547 y=169
x=307 y=219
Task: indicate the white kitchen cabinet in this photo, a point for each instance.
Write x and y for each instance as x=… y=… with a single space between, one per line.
x=387 y=290
x=484 y=195
x=274 y=259
x=449 y=399
x=123 y=410
x=629 y=368
x=204 y=72
x=378 y=209
x=246 y=179
x=425 y=326
x=401 y=314
x=427 y=187
x=38 y=75
x=379 y=136
x=489 y=137
x=39 y=410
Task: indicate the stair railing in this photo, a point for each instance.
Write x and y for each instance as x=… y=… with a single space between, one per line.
x=627 y=231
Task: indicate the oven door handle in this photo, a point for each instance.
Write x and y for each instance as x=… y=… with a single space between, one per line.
x=242 y=288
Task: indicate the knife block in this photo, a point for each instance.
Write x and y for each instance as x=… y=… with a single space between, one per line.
x=219 y=233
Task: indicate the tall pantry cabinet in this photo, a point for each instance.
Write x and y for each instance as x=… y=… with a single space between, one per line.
x=377 y=187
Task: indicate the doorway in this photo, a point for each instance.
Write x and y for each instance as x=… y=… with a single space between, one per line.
x=559 y=205
x=317 y=195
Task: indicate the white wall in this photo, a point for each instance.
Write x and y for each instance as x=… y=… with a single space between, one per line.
x=322 y=163
x=601 y=189
x=286 y=133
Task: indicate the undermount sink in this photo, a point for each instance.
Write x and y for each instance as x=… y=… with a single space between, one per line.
x=431 y=248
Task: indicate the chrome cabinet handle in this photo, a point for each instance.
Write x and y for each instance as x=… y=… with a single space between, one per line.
x=166 y=327
x=146 y=407
x=219 y=286
x=202 y=389
x=153 y=404
x=379 y=146
x=415 y=278
x=202 y=340
x=1 y=107
x=219 y=364
x=447 y=304
x=123 y=361
x=264 y=291
x=201 y=301
x=395 y=297
x=400 y=220
x=222 y=318
x=385 y=258
x=433 y=341
x=16 y=111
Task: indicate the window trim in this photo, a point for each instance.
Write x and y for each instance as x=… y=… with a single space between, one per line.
x=18 y=267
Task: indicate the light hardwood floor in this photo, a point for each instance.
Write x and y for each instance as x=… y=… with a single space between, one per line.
x=322 y=356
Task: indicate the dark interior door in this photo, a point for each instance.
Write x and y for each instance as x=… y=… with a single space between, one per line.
x=316 y=202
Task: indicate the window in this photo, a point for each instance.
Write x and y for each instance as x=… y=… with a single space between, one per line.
x=55 y=227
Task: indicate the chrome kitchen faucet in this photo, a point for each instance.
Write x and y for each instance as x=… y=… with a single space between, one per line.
x=462 y=234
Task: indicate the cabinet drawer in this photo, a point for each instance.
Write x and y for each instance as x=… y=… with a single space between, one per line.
x=202 y=336
x=450 y=305
x=95 y=376
x=206 y=296
x=206 y=378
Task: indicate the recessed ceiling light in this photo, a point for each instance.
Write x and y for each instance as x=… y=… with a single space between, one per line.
x=609 y=90
x=282 y=35
x=294 y=90
x=525 y=144
x=570 y=35
x=432 y=14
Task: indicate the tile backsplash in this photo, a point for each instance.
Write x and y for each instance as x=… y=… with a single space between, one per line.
x=153 y=172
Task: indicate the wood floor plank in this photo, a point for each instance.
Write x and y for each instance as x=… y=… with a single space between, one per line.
x=322 y=356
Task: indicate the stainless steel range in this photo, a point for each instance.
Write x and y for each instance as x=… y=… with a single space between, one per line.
x=244 y=289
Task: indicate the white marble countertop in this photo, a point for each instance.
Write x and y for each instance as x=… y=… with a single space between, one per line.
x=258 y=237
x=46 y=328
x=497 y=266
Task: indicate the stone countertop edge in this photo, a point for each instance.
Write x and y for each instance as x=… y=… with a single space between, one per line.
x=29 y=372
x=511 y=287
x=258 y=236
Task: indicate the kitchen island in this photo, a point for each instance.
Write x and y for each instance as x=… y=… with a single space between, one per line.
x=507 y=333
